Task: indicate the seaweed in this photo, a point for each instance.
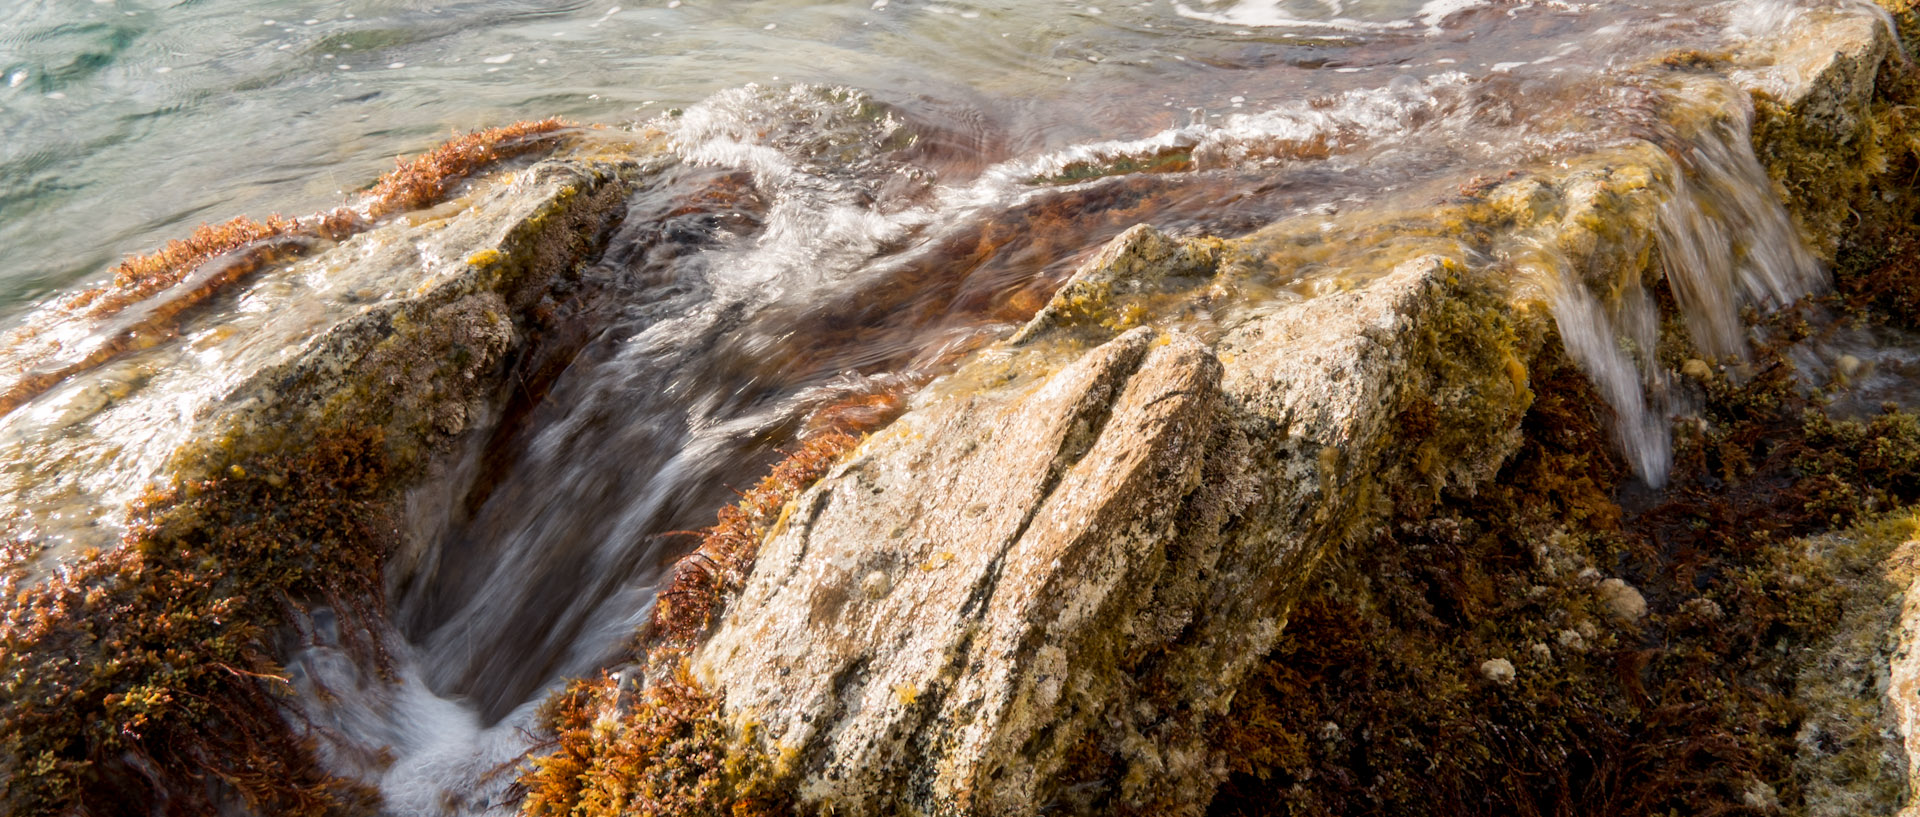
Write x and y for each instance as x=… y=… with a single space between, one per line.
x=1382 y=700
x=144 y=680
x=667 y=748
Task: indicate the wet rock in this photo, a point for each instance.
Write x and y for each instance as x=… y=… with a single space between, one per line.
x=423 y=362
x=1087 y=558
x=1138 y=262
x=1049 y=511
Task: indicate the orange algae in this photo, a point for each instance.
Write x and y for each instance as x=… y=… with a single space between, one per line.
x=426 y=179
x=143 y=679
x=667 y=749
x=662 y=751
x=421 y=182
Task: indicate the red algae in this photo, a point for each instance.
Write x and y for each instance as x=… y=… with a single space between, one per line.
x=666 y=749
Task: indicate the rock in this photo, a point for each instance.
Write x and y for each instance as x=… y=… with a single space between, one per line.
x=423 y=363
x=1847 y=369
x=1138 y=262
x=1622 y=600
x=1760 y=796
x=1859 y=685
x=1497 y=670
x=1697 y=370
x=1053 y=510
x=1095 y=599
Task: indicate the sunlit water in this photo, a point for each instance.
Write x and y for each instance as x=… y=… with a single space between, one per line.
x=896 y=188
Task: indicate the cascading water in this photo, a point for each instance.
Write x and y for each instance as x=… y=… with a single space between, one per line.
x=812 y=244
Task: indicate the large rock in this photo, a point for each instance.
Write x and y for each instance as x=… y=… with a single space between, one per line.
x=1069 y=554
x=408 y=329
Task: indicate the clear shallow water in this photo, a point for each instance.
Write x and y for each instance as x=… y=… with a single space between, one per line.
x=871 y=237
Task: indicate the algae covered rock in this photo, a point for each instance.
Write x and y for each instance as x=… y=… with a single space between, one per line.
x=965 y=618
x=148 y=673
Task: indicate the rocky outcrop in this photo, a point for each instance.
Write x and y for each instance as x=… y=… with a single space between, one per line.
x=1075 y=548
x=1041 y=588
x=146 y=676
x=1092 y=556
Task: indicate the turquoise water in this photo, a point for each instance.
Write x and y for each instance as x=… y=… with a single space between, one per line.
x=126 y=122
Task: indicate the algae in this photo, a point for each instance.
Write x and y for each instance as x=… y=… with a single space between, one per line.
x=615 y=748
x=145 y=677
x=1375 y=702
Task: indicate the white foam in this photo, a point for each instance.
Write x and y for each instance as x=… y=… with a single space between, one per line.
x=1329 y=15
x=1276 y=14
x=1436 y=12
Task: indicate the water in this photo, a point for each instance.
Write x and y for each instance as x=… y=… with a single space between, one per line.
x=867 y=192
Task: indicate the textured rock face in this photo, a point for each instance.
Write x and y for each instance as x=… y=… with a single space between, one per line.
x=999 y=546
x=1024 y=564
x=1032 y=569
x=406 y=329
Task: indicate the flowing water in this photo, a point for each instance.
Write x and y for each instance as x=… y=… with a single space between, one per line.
x=866 y=192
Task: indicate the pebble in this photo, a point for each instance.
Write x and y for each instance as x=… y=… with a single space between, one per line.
x=1848 y=366
x=1705 y=609
x=1697 y=369
x=1573 y=640
x=1622 y=600
x=876 y=584
x=1497 y=670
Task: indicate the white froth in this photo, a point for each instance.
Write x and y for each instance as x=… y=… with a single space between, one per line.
x=1330 y=15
